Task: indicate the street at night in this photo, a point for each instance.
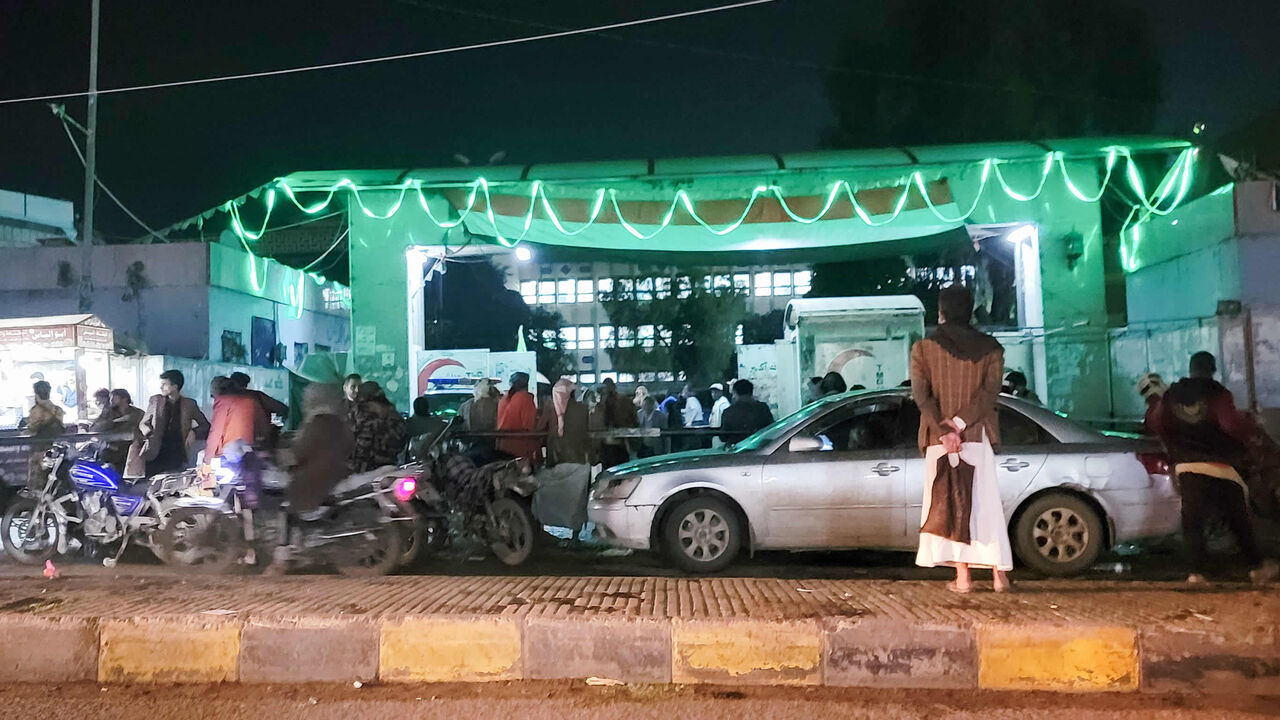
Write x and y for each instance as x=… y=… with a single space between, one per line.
x=752 y=358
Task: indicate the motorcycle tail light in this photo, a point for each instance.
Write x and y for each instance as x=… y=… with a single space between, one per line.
x=404 y=488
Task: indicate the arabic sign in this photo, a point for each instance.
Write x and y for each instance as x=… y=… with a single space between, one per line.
x=89 y=334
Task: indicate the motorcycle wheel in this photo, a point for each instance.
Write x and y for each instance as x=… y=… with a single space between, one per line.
x=29 y=550
x=377 y=556
x=511 y=540
x=201 y=539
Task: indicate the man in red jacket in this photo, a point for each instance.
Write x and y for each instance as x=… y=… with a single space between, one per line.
x=1207 y=439
x=518 y=413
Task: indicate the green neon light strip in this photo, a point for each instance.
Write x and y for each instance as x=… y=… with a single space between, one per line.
x=1179 y=175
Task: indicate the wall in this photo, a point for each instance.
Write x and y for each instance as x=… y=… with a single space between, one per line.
x=234 y=311
x=159 y=320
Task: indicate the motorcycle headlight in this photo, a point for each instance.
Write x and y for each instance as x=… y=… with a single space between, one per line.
x=617 y=488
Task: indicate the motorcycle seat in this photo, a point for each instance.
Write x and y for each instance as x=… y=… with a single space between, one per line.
x=134 y=488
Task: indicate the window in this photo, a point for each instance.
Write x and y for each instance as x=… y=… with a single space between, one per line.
x=604 y=285
x=644 y=288
x=662 y=287
x=648 y=377
x=566 y=292
x=549 y=338
x=626 y=288
x=529 y=291
x=764 y=284
x=666 y=377
x=645 y=335
x=683 y=287
x=737 y=336
x=782 y=283
x=609 y=376
x=721 y=281
x=587 y=378
x=585 y=291
x=859 y=427
x=546 y=292
x=606 y=336
x=570 y=337
x=1017 y=429
x=586 y=337
x=742 y=281
x=626 y=377
x=803 y=281
x=626 y=337
x=664 y=335
x=706 y=282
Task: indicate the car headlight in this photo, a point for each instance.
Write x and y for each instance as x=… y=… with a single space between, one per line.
x=617 y=488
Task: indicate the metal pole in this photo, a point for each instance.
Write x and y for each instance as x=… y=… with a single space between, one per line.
x=90 y=178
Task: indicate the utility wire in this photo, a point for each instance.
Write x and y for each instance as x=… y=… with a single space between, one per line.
x=401 y=56
x=786 y=62
x=105 y=189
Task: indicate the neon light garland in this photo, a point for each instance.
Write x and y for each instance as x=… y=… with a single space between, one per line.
x=1179 y=174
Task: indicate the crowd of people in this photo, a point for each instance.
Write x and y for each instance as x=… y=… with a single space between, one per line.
x=572 y=424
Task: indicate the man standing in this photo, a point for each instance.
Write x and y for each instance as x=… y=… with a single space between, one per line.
x=171 y=425
x=1207 y=438
x=44 y=421
x=518 y=413
x=350 y=386
x=745 y=415
x=236 y=416
x=955 y=379
x=719 y=403
x=270 y=405
x=649 y=417
x=617 y=412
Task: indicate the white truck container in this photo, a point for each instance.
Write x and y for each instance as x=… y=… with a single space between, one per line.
x=867 y=340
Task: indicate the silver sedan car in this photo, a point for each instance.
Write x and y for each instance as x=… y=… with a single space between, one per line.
x=845 y=472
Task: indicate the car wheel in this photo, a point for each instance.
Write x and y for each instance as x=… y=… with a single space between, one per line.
x=702 y=534
x=1059 y=535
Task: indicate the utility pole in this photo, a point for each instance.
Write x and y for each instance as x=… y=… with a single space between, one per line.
x=90 y=178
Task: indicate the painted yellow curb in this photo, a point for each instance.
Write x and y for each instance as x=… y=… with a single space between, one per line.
x=161 y=650
x=450 y=650
x=1053 y=657
x=746 y=652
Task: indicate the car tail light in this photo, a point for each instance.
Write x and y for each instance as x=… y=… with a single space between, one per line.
x=404 y=488
x=1156 y=463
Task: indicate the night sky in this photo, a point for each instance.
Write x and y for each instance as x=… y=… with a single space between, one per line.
x=742 y=81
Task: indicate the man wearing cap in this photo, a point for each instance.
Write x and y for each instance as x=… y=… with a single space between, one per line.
x=719 y=403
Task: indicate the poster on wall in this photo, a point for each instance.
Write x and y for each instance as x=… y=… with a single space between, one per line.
x=465 y=367
x=502 y=365
x=871 y=364
x=759 y=364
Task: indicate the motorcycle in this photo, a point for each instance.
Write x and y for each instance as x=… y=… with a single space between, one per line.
x=357 y=530
x=85 y=500
x=488 y=503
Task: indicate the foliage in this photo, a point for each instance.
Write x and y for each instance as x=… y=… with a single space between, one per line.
x=469 y=306
x=763 y=329
x=693 y=334
x=938 y=71
x=542 y=336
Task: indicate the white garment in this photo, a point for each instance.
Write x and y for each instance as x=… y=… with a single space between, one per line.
x=989 y=546
x=717 y=410
x=692 y=413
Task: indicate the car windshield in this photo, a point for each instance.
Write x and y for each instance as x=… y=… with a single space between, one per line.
x=782 y=426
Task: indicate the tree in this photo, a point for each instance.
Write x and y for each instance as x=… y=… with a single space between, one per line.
x=912 y=72
x=763 y=329
x=692 y=334
x=469 y=306
x=542 y=336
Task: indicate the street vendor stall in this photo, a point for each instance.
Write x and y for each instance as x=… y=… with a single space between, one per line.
x=70 y=352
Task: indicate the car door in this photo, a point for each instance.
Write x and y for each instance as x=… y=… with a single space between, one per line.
x=845 y=490
x=1024 y=445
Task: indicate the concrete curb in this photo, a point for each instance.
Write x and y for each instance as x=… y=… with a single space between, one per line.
x=459 y=648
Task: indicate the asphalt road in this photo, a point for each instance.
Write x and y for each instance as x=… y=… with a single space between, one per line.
x=567 y=700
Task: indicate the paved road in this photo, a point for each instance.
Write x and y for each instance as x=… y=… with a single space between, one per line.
x=569 y=700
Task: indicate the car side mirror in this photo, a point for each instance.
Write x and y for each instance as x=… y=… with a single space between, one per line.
x=804 y=443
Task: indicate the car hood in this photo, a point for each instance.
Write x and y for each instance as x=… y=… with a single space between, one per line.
x=675 y=461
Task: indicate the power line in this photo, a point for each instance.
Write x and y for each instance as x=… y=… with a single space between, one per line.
x=788 y=62
x=401 y=56
x=62 y=116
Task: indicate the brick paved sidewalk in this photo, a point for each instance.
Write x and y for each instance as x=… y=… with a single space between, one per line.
x=1060 y=635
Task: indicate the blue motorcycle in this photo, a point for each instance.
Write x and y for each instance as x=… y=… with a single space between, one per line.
x=84 y=501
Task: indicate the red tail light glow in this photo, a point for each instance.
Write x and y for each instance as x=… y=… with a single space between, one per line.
x=1155 y=463
x=405 y=488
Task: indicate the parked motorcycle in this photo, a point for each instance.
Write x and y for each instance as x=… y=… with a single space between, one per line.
x=489 y=503
x=358 y=531
x=84 y=500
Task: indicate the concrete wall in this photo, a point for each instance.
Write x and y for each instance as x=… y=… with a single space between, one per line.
x=234 y=311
